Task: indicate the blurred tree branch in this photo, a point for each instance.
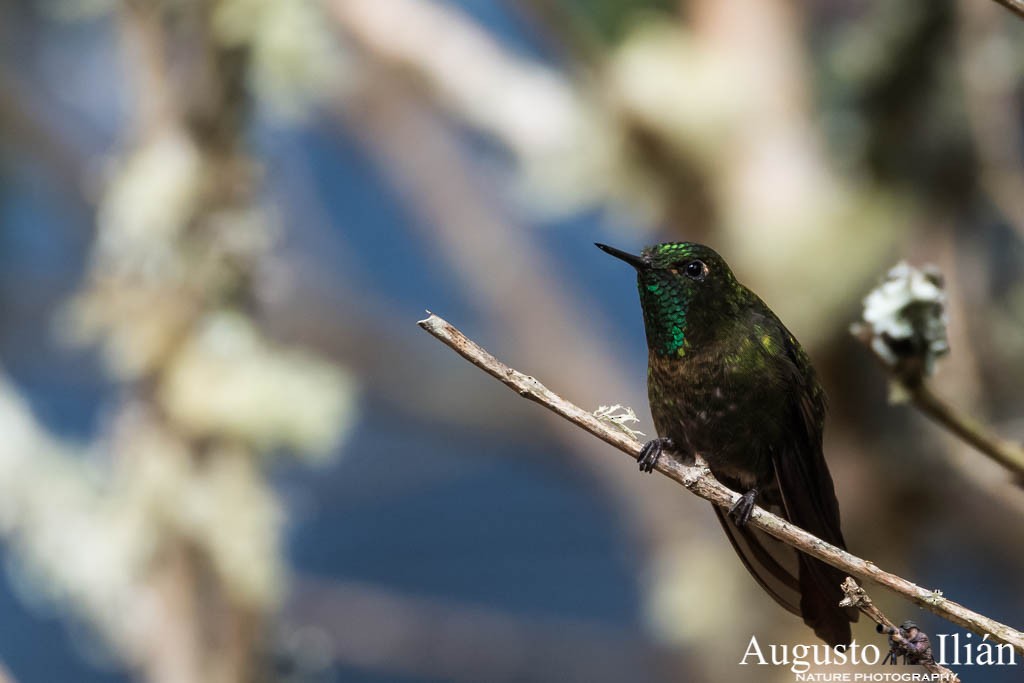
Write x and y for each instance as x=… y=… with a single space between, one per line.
x=698 y=480
x=576 y=144
x=171 y=547
x=188 y=113
x=1009 y=454
x=1015 y=6
x=22 y=126
x=990 y=105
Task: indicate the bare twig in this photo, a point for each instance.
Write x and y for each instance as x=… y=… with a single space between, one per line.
x=698 y=480
x=858 y=597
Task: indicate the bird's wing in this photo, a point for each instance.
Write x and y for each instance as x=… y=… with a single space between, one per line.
x=808 y=495
x=805 y=483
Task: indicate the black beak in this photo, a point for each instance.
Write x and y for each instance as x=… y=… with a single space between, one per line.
x=632 y=260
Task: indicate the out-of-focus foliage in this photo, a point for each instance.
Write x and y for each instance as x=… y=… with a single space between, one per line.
x=229 y=381
x=177 y=532
x=610 y=19
x=294 y=58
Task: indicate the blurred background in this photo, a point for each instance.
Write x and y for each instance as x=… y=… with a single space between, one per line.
x=228 y=454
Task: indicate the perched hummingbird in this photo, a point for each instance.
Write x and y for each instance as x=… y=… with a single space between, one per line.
x=728 y=381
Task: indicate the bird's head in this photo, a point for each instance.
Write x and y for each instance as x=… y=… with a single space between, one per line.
x=687 y=292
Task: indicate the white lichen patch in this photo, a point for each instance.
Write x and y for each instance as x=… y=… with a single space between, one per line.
x=136 y=325
x=906 y=316
x=72 y=540
x=170 y=506
x=229 y=381
x=619 y=416
x=228 y=510
x=293 y=53
x=149 y=203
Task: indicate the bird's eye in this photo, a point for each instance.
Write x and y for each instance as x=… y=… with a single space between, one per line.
x=696 y=270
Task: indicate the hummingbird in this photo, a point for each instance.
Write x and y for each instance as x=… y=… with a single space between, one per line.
x=727 y=381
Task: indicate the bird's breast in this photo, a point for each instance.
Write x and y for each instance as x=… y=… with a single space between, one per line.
x=719 y=409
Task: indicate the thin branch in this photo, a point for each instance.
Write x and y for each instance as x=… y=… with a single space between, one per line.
x=1009 y=454
x=698 y=480
x=1015 y=6
x=858 y=597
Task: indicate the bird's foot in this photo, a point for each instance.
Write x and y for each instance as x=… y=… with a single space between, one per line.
x=743 y=508
x=651 y=451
